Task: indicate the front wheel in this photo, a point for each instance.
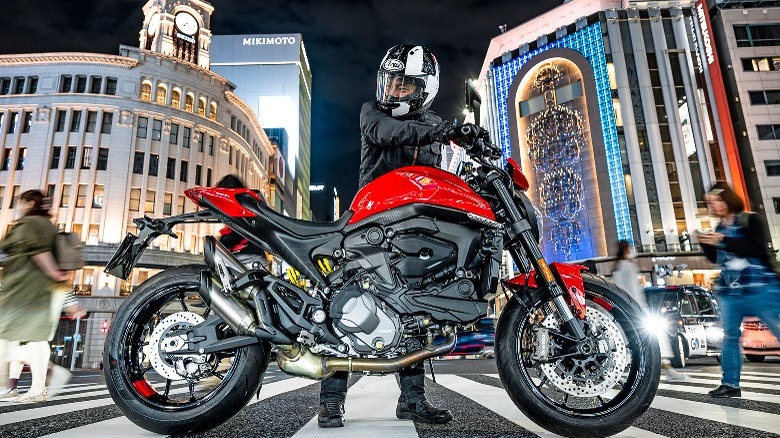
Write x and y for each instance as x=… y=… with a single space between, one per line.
x=679 y=360
x=560 y=388
x=175 y=394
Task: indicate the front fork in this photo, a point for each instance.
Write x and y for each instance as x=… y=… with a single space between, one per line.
x=528 y=257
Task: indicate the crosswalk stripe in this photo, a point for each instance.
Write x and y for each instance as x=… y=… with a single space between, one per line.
x=722 y=414
x=498 y=401
x=370 y=411
x=746 y=395
x=121 y=427
x=755 y=373
x=745 y=376
x=743 y=384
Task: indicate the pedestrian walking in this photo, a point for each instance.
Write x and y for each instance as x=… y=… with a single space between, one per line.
x=626 y=275
x=29 y=305
x=746 y=286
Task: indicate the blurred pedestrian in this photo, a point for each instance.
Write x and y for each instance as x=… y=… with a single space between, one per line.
x=626 y=276
x=29 y=305
x=746 y=286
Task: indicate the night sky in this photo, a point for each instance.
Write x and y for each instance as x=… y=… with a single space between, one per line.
x=345 y=41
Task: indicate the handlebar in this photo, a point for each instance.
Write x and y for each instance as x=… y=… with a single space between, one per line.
x=476 y=141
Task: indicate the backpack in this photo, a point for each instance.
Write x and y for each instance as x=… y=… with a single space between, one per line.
x=743 y=219
x=68 y=251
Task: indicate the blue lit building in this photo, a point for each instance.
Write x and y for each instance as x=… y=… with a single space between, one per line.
x=610 y=111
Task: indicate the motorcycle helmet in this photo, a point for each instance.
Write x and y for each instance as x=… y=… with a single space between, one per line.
x=407 y=81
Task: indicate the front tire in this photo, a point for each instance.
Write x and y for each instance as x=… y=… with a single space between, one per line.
x=143 y=382
x=679 y=360
x=584 y=402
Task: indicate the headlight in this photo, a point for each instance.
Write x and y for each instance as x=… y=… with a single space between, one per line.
x=656 y=325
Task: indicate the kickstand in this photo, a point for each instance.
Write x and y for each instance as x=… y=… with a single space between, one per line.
x=433 y=374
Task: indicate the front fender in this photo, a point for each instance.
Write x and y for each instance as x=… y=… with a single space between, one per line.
x=568 y=275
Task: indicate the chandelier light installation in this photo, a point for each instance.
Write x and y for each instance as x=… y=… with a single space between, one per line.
x=555 y=138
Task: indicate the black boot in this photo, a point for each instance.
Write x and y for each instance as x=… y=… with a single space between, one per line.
x=331 y=414
x=422 y=411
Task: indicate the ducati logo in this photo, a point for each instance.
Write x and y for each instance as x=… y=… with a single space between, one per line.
x=393 y=65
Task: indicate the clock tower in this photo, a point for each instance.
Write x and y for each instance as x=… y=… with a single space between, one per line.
x=178 y=28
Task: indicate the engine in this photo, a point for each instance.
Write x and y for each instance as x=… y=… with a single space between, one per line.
x=368 y=326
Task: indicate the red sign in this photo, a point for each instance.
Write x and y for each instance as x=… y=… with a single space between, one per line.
x=721 y=100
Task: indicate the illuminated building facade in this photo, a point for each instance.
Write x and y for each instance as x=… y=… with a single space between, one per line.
x=612 y=114
x=114 y=137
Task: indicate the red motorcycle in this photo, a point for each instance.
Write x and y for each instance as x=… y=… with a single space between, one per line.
x=414 y=258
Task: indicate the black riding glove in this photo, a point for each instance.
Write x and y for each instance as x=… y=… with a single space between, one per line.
x=442 y=132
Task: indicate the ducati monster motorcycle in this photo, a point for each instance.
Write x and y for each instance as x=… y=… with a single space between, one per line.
x=416 y=257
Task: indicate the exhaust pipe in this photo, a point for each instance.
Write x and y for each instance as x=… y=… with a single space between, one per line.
x=236 y=315
x=299 y=361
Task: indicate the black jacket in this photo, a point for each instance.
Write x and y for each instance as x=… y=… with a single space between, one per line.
x=390 y=143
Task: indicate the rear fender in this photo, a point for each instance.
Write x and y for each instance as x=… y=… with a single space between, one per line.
x=568 y=275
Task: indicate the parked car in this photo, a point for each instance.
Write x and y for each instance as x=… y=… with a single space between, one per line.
x=689 y=315
x=757 y=340
x=477 y=339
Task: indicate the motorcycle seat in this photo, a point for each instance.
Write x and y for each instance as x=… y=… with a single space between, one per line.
x=298 y=227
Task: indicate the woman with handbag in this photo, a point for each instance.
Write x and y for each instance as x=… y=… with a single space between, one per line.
x=27 y=300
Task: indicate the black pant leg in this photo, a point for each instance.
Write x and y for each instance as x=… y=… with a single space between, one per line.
x=412 y=383
x=334 y=388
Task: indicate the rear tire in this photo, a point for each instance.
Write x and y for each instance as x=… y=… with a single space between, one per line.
x=138 y=395
x=754 y=357
x=678 y=348
x=637 y=384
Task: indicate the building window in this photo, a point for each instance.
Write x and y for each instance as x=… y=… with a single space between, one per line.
x=108 y=121
x=2 y=194
x=213 y=114
x=772 y=167
x=156 y=129
x=140 y=132
x=75 y=121
x=55 y=157
x=81 y=195
x=6 y=164
x=14 y=196
x=91 y=121
x=97 y=82
x=32 y=86
x=61 y=115
x=149 y=201
x=138 y=162
x=167 y=203
x=162 y=94
x=200 y=141
x=102 y=159
x=185 y=141
x=111 y=86
x=198 y=171
x=13 y=119
x=154 y=163
x=761 y=64
x=146 y=91
x=81 y=84
x=170 y=169
x=180 y=207
x=208 y=177
x=21 y=158
x=86 y=158
x=18 y=85
x=768 y=132
x=202 y=106
x=211 y=145
x=5 y=85
x=50 y=189
x=174 y=137
x=176 y=98
x=188 y=102
x=775 y=201
x=97 y=196
x=65 y=197
x=764 y=97
x=757 y=35
x=183 y=171
x=135 y=199
x=70 y=160
x=26 y=121
x=66 y=83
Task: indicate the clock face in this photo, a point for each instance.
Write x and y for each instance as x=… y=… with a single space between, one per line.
x=186 y=23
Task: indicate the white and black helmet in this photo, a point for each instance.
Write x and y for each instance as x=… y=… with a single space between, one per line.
x=411 y=67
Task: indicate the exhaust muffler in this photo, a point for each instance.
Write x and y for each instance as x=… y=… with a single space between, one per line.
x=298 y=360
x=237 y=315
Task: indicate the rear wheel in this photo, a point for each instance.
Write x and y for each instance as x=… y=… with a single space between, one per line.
x=569 y=393
x=175 y=394
x=678 y=348
x=754 y=357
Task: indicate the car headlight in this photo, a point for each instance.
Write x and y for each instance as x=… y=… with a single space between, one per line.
x=655 y=324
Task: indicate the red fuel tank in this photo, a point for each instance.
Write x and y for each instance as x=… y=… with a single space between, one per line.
x=417 y=185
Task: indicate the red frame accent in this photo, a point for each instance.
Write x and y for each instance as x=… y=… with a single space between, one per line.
x=223 y=200
x=571 y=277
x=142 y=386
x=417 y=185
x=518 y=177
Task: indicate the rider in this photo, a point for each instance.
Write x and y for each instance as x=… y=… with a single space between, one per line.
x=397 y=129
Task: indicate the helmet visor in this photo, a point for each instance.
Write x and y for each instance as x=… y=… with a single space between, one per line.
x=394 y=87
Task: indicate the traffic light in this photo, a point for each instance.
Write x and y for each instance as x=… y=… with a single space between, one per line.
x=104 y=326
